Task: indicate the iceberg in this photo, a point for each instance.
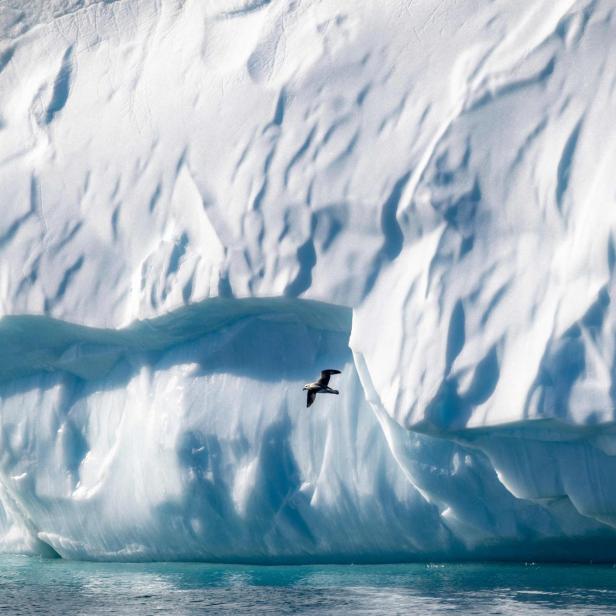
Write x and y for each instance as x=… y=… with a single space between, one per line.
x=205 y=203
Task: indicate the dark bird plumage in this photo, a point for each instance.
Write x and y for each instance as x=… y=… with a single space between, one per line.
x=321 y=386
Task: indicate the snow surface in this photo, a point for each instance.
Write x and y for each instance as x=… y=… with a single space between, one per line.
x=205 y=202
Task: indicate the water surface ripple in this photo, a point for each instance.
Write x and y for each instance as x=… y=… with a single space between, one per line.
x=39 y=586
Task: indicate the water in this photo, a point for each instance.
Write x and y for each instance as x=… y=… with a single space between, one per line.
x=38 y=586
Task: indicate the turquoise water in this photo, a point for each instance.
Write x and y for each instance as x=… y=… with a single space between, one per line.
x=36 y=586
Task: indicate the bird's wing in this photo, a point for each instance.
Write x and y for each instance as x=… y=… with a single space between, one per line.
x=311 y=396
x=325 y=374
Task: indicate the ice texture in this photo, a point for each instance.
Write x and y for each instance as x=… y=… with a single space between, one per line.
x=206 y=202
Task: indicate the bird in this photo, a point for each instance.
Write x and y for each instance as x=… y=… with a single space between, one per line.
x=321 y=386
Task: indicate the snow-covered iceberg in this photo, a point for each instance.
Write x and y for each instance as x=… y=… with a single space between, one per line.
x=204 y=203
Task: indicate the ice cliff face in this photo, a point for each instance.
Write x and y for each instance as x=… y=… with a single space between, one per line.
x=206 y=202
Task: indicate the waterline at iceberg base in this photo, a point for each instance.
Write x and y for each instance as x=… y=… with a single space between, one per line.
x=205 y=203
x=186 y=437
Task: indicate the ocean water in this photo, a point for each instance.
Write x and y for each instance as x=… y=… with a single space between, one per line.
x=38 y=586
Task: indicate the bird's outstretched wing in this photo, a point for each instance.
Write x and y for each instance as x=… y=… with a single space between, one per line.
x=325 y=374
x=311 y=396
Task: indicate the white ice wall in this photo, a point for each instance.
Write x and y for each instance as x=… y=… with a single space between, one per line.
x=442 y=169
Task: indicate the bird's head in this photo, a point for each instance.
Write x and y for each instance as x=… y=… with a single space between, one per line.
x=304 y=387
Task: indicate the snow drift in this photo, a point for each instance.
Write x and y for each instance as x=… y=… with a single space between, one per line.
x=207 y=202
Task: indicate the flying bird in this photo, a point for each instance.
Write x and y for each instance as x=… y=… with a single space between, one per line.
x=321 y=386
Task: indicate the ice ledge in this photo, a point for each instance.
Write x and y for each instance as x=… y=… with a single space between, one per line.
x=34 y=343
